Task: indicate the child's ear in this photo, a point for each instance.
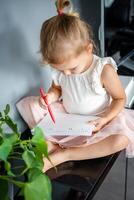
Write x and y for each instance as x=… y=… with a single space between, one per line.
x=89 y=48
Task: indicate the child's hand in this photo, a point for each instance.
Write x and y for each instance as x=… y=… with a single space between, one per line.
x=99 y=123
x=50 y=100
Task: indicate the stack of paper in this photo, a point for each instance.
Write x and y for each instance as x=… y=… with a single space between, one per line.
x=67 y=124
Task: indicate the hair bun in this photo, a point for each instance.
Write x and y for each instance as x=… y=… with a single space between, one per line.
x=66 y=3
x=66 y=7
x=61 y=4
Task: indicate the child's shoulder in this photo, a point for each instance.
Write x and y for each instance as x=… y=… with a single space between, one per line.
x=101 y=62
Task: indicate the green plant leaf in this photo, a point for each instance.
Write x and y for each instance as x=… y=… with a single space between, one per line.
x=39 y=140
x=41 y=145
x=1 y=140
x=18 y=183
x=8 y=169
x=7 y=166
x=3 y=189
x=38 y=187
x=12 y=138
x=42 y=148
x=38 y=135
x=7 y=145
x=5 y=149
x=29 y=158
x=11 y=124
x=32 y=160
x=10 y=173
x=7 y=109
x=1 y=131
x=33 y=173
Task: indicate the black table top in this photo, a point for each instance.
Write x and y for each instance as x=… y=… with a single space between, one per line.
x=84 y=176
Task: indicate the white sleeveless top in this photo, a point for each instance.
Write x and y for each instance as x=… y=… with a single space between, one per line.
x=83 y=93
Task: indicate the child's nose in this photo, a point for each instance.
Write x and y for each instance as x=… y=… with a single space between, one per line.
x=67 y=72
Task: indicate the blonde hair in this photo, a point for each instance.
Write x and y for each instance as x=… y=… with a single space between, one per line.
x=64 y=35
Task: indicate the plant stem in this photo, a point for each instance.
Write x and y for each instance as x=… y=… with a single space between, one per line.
x=22 y=142
x=23 y=172
x=18 y=183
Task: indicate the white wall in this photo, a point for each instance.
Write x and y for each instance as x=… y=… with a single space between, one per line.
x=21 y=73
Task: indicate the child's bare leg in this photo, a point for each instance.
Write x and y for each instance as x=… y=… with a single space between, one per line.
x=103 y=148
x=51 y=146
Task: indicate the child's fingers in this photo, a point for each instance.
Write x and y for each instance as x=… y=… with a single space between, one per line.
x=94 y=122
x=51 y=146
x=96 y=128
x=97 y=125
x=42 y=103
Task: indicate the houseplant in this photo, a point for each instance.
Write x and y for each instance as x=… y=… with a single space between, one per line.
x=21 y=161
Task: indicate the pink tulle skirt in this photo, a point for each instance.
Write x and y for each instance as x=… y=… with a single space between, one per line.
x=123 y=124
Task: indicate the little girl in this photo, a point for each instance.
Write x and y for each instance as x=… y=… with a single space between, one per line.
x=88 y=85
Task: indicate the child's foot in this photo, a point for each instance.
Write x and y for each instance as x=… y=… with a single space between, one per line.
x=51 y=146
x=57 y=157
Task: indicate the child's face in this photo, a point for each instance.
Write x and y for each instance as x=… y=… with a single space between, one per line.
x=75 y=65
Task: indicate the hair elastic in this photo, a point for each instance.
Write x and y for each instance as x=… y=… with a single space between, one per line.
x=60 y=12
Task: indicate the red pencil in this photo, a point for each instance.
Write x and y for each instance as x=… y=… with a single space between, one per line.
x=44 y=96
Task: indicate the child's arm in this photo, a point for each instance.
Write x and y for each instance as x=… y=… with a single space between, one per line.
x=53 y=95
x=112 y=84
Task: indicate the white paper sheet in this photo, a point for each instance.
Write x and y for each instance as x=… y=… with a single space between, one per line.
x=67 y=124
